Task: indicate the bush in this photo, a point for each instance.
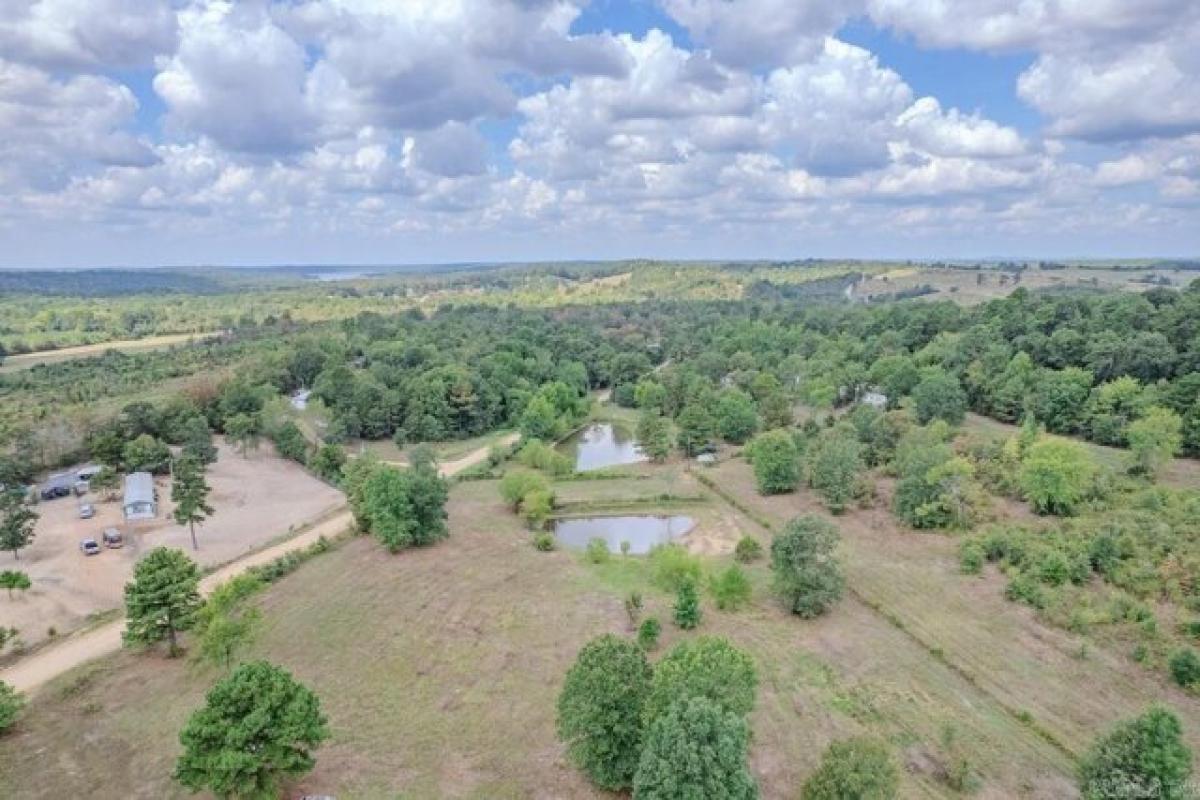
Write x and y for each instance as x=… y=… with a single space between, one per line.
x=1185 y=667
x=1024 y=588
x=671 y=565
x=806 y=573
x=686 y=611
x=12 y=703
x=730 y=588
x=600 y=710
x=748 y=549
x=544 y=542
x=596 y=551
x=1141 y=757
x=706 y=666
x=695 y=750
x=971 y=557
x=518 y=484
x=1056 y=476
x=648 y=633
x=859 y=769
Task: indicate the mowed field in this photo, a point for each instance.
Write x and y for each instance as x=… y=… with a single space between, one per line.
x=970 y=287
x=439 y=668
x=256 y=499
x=27 y=360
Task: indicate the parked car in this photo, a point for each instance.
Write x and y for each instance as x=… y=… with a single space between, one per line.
x=89 y=547
x=54 y=492
x=113 y=539
x=86 y=511
x=82 y=488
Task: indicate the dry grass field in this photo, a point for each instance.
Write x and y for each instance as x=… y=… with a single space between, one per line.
x=27 y=360
x=439 y=668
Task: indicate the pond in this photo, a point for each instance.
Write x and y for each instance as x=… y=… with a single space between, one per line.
x=602 y=444
x=643 y=532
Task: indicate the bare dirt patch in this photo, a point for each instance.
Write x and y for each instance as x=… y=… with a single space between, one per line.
x=257 y=499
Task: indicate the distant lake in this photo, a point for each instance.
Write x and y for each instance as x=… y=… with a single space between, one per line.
x=339 y=275
x=602 y=445
x=643 y=532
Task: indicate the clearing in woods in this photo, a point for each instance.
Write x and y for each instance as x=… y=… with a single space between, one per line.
x=27 y=360
x=429 y=661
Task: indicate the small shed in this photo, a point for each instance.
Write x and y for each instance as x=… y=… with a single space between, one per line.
x=140 y=501
x=875 y=399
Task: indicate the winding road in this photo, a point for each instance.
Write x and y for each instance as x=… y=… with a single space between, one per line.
x=44 y=665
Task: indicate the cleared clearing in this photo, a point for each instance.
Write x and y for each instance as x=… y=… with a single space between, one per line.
x=27 y=360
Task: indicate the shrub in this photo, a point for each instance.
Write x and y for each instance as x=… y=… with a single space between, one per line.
x=730 y=588
x=536 y=507
x=597 y=551
x=1141 y=757
x=648 y=633
x=748 y=549
x=1024 y=588
x=633 y=607
x=806 y=572
x=544 y=542
x=971 y=557
x=860 y=768
x=695 y=750
x=686 y=611
x=12 y=703
x=671 y=565
x=518 y=484
x=600 y=710
x=1185 y=667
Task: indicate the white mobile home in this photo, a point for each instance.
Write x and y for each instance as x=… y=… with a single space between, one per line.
x=140 y=501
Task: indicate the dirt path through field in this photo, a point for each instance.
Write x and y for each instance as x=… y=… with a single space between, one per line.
x=33 y=672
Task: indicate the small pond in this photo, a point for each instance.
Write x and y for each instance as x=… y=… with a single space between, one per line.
x=643 y=532
x=602 y=444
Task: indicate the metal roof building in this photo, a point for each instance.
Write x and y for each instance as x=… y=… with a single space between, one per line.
x=140 y=502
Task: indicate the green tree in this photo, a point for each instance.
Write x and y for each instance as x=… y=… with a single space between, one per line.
x=162 y=599
x=427 y=493
x=737 y=418
x=650 y=394
x=257 y=728
x=695 y=750
x=834 y=466
x=12 y=579
x=708 y=667
x=12 y=703
x=939 y=395
x=225 y=624
x=860 y=768
x=776 y=462
x=937 y=489
x=1056 y=476
x=806 y=572
x=686 y=610
x=600 y=708
x=198 y=441
x=1141 y=757
x=730 y=588
x=289 y=441
x=1155 y=439
x=654 y=435
x=105 y=482
x=648 y=633
x=242 y=431
x=189 y=493
x=328 y=461
x=537 y=507
x=388 y=509
x=17 y=521
x=147 y=454
x=539 y=420
x=697 y=428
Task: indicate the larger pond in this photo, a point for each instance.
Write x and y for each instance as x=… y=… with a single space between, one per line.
x=643 y=532
x=602 y=444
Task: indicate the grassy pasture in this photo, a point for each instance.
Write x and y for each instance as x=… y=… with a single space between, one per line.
x=27 y=360
x=439 y=668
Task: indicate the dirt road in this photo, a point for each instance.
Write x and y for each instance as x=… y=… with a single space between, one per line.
x=34 y=671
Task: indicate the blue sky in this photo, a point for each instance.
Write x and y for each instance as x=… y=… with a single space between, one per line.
x=319 y=131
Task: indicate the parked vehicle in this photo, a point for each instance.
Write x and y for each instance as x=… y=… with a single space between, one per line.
x=82 y=488
x=113 y=539
x=89 y=547
x=54 y=492
x=87 y=511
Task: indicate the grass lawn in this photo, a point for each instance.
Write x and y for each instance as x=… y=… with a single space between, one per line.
x=439 y=668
